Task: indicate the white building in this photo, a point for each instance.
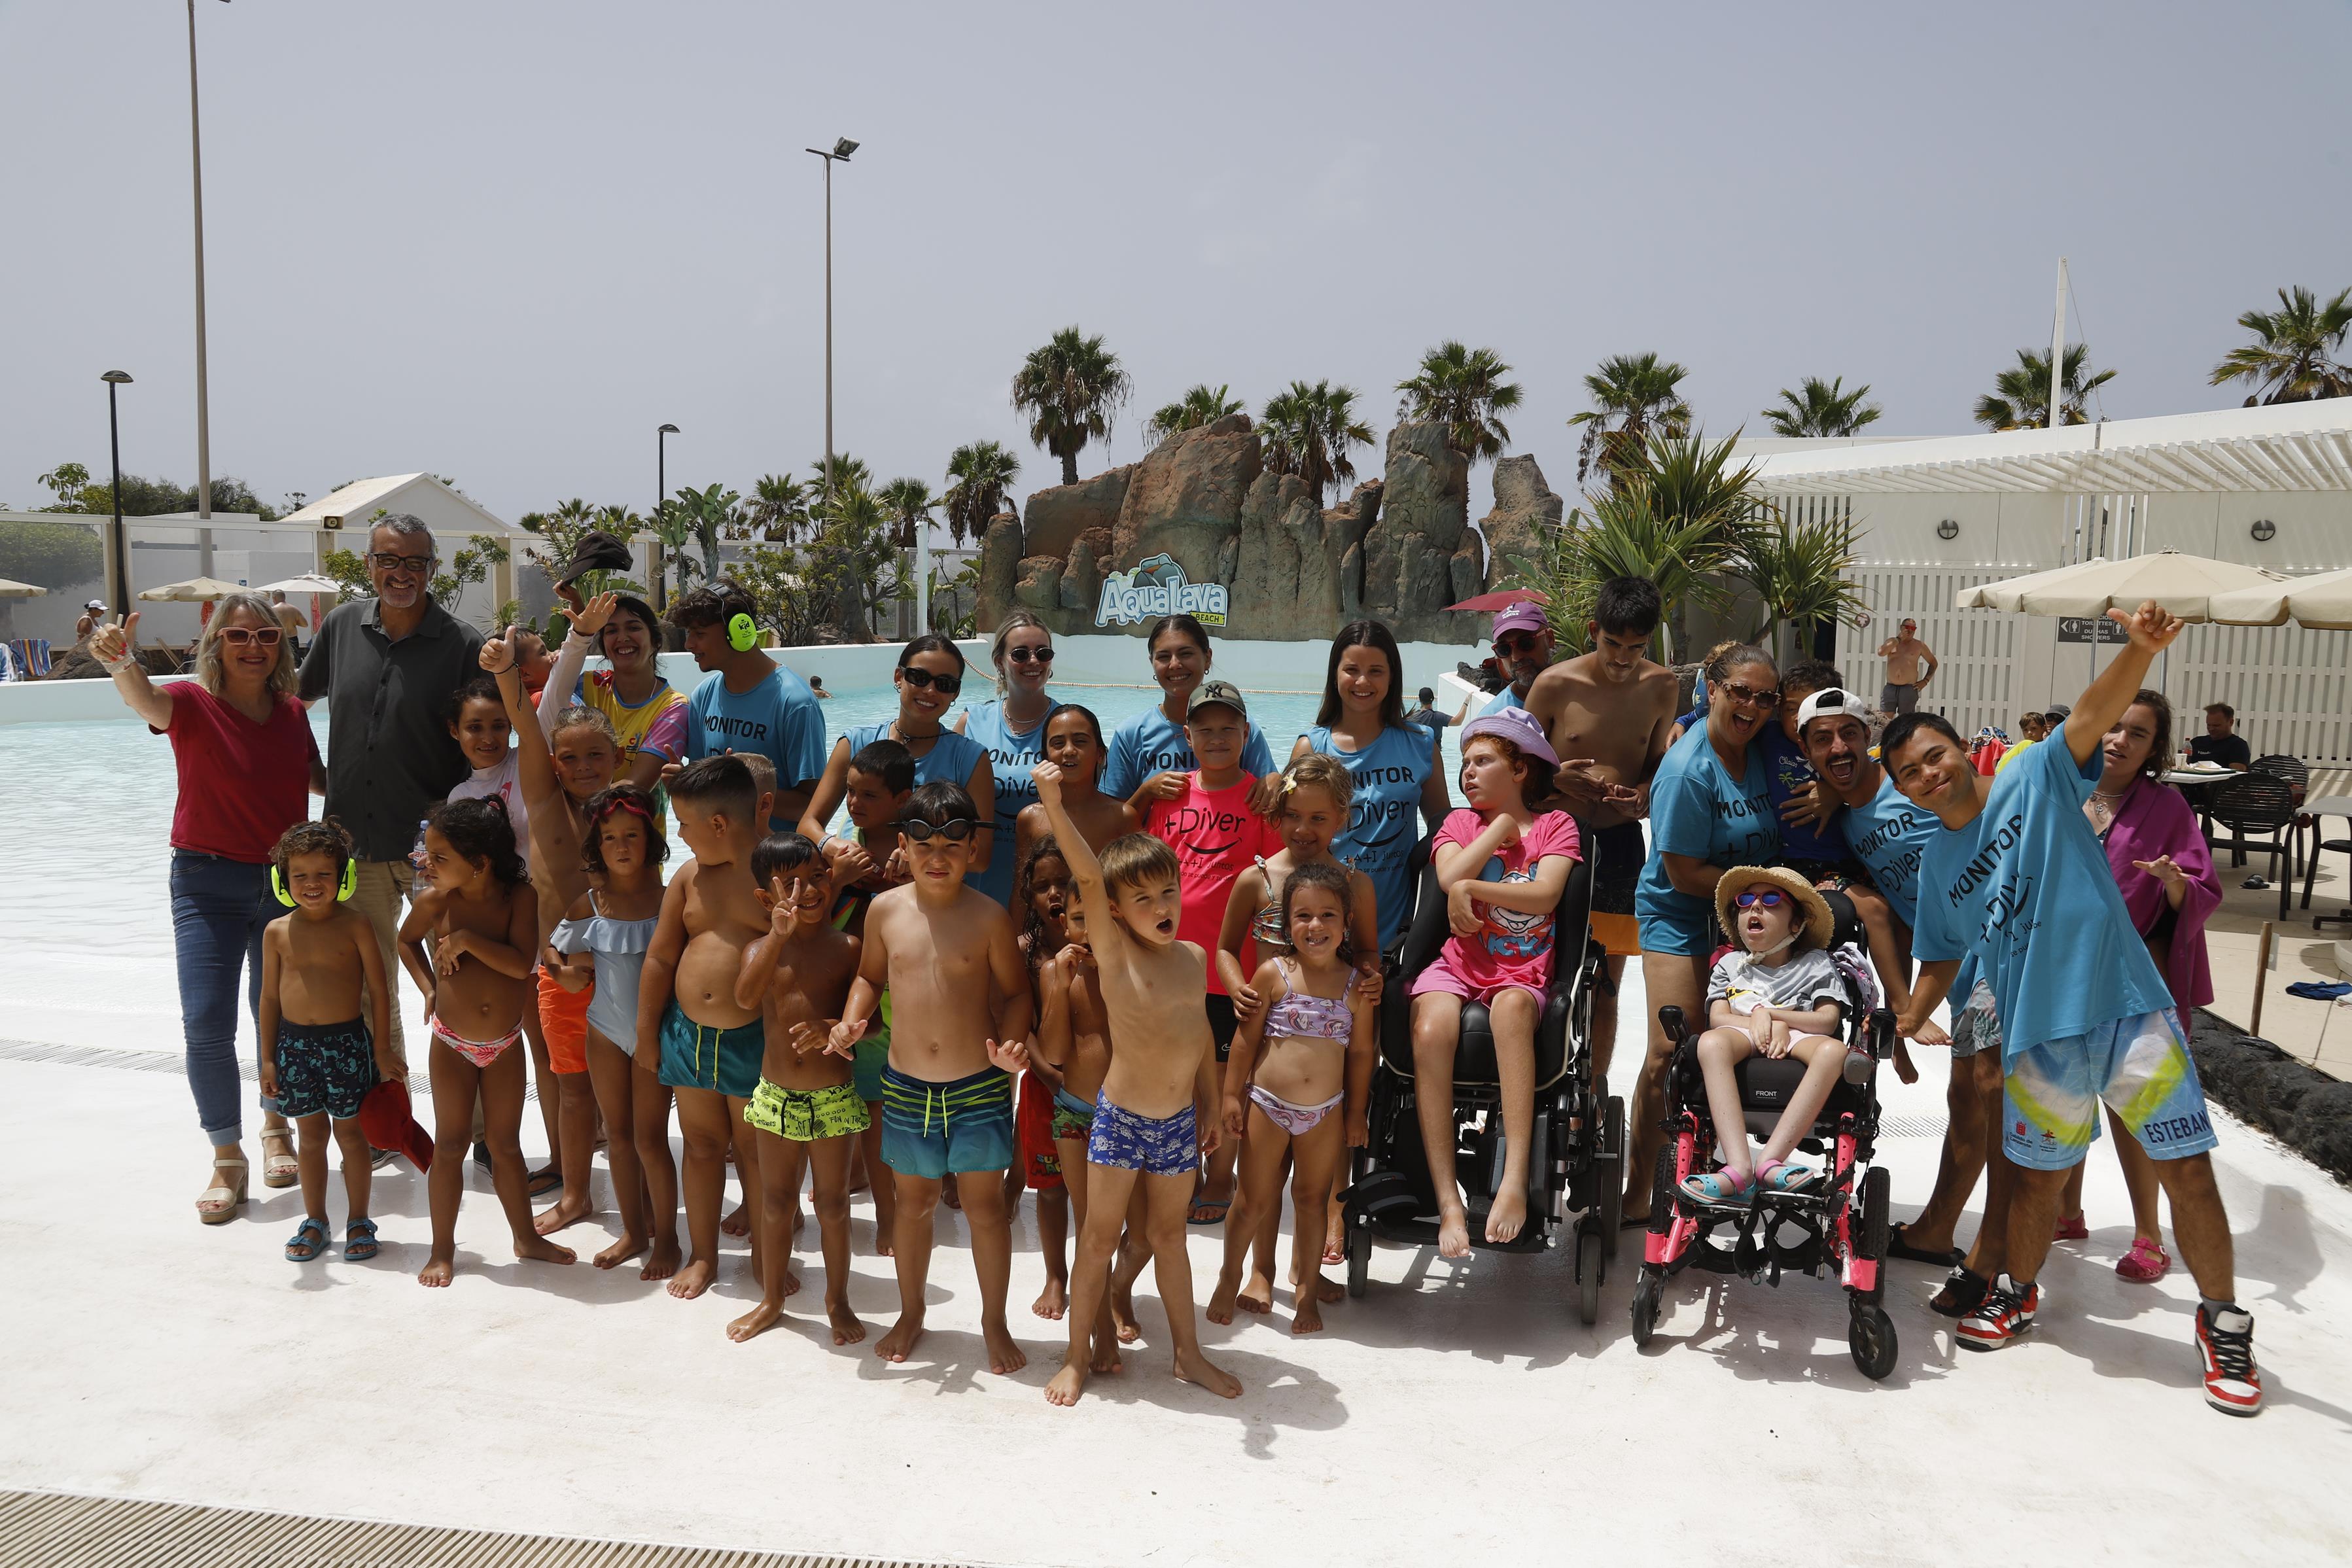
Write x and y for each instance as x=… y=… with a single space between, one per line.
x=2269 y=486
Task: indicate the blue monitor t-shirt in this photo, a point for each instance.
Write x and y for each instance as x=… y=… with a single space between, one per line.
x=1697 y=809
x=1890 y=836
x=2027 y=888
x=1378 y=838
x=779 y=717
x=1150 y=742
x=1790 y=771
x=1013 y=754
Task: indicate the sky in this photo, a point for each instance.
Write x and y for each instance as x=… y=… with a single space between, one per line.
x=505 y=242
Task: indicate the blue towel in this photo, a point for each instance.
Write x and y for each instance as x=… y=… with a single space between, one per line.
x=2315 y=990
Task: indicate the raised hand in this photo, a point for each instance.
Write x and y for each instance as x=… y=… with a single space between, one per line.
x=1047 y=777
x=1012 y=1056
x=497 y=655
x=590 y=617
x=569 y=593
x=114 y=646
x=781 y=917
x=2150 y=627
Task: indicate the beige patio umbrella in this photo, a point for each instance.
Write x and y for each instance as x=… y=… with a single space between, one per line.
x=2182 y=584
x=309 y=582
x=2321 y=600
x=10 y=590
x=194 y=591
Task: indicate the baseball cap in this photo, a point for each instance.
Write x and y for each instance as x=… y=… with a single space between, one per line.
x=95 y=604
x=1527 y=615
x=1831 y=702
x=1518 y=727
x=387 y=1123
x=2058 y=715
x=1224 y=692
x=595 y=551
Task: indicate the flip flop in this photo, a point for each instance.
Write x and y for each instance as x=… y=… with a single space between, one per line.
x=1964 y=1291
x=1194 y=1216
x=358 y=1241
x=309 y=1242
x=278 y=1170
x=545 y=1181
x=1896 y=1246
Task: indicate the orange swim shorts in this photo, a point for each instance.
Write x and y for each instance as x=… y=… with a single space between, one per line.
x=564 y=1018
x=1041 y=1163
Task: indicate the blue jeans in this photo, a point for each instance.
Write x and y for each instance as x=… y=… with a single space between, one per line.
x=219 y=909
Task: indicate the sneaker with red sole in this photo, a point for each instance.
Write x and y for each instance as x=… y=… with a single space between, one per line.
x=2005 y=1314
x=2225 y=1341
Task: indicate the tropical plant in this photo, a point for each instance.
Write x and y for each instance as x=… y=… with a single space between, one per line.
x=848 y=473
x=75 y=491
x=779 y=508
x=1463 y=389
x=471 y=564
x=1070 y=389
x=709 y=514
x=2297 y=355
x=1199 y=405
x=1633 y=398
x=350 y=572
x=955 y=602
x=855 y=565
x=776 y=577
x=2020 y=396
x=1309 y=430
x=910 y=504
x=1821 y=407
x=1801 y=572
x=979 y=475
x=559 y=532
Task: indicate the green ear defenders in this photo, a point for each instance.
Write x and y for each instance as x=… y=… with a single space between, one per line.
x=343 y=890
x=743 y=633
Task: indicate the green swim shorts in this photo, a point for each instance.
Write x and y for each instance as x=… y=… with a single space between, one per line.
x=804 y=1116
x=873 y=1056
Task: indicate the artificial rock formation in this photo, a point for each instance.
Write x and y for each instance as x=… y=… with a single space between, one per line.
x=1524 y=508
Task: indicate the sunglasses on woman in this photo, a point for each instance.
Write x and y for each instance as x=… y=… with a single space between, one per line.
x=1768 y=900
x=955 y=829
x=1738 y=693
x=1023 y=655
x=924 y=681
x=238 y=636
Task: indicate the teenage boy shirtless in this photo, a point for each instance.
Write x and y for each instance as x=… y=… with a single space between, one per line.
x=1611 y=712
x=706 y=1046
x=947 y=955
x=1154 y=1115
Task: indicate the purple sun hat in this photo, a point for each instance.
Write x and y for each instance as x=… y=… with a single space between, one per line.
x=1518 y=727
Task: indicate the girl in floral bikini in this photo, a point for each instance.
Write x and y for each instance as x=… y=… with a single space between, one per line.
x=1315 y=1038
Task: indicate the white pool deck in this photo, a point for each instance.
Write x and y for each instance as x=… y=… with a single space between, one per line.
x=1453 y=1412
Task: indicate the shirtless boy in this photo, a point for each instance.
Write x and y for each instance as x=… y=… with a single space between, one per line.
x=867 y=864
x=806 y=1112
x=1155 y=1113
x=1611 y=712
x=962 y=1014
x=1073 y=1054
x=320 y=1054
x=703 y=1044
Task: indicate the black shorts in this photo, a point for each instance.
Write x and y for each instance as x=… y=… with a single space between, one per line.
x=1616 y=856
x=1221 y=1024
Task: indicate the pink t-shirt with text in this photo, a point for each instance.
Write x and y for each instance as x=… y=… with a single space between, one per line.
x=1216 y=837
x=1511 y=948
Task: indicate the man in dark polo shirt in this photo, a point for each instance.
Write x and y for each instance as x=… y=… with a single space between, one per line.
x=387 y=667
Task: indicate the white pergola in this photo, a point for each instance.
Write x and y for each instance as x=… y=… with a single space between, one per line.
x=2290 y=447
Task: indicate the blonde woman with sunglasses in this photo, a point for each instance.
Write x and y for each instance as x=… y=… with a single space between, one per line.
x=248 y=766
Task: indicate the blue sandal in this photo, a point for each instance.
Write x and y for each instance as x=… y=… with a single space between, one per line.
x=1779 y=1176
x=307 y=1242
x=358 y=1241
x=1714 y=1188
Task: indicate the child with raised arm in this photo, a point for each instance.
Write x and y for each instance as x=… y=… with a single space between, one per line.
x=1306 y=1053
x=693 y=1036
x=806 y=1112
x=1074 y=743
x=946 y=953
x=483 y=919
x=1503 y=863
x=321 y=1050
x=1779 y=995
x=1155 y=1112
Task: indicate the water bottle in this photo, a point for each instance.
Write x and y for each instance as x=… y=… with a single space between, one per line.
x=417 y=852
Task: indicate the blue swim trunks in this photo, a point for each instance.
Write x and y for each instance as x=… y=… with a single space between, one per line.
x=324 y=1067
x=1168 y=1146
x=929 y=1130
x=701 y=1056
x=2137 y=1066
x=1666 y=934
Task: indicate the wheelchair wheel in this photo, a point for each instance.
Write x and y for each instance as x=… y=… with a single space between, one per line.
x=1359 y=1256
x=1870 y=1335
x=1592 y=1260
x=1648 y=1292
x=1612 y=1175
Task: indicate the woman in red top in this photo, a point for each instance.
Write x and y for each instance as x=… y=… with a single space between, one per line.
x=248 y=766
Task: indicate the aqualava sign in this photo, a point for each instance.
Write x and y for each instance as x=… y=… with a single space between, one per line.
x=1158 y=587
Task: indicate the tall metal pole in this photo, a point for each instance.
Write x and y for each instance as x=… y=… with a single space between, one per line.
x=2058 y=346
x=121 y=544
x=204 y=416
x=661 y=500
x=828 y=327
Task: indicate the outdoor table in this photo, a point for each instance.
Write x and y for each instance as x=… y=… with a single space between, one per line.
x=2318 y=811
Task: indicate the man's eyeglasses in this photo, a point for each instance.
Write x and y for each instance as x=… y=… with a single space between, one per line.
x=955 y=829
x=924 y=681
x=1023 y=655
x=239 y=636
x=1740 y=693
x=1768 y=900
x=401 y=565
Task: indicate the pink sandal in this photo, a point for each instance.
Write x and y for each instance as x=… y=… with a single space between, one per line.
x=2146 y=1263
x=2073 y=1228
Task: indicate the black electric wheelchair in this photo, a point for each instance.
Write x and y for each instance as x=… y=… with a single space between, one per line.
x=1837 y=1228
x=1575 y=1165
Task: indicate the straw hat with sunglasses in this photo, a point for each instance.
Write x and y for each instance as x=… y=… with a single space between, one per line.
x=1745 y=884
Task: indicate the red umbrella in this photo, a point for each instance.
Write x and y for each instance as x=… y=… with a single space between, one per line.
x=1491 y=604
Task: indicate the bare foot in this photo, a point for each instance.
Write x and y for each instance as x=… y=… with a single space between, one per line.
x=846 y=1328
x=1068 y=1383
x=1004 y=1353
x=1257 y=1296
x=1220 y=1309
x=548 y=1222
x=1509 y=1213
x=791 y=1278
x=882 y=1248
x=759 y=1320
x=735 y=1224
x=1325 y=1290
x=1904 y=1068
x=661 y=1263
x=1308 y=1318
x=1335 y=1240
x=692 y=1279
x=1122 y=1313
x=437 y=1272
x=1198 y=1369
x=620 y=1251
x=540 y=1249
x=951 y=1194
x=896 y=1345
x=1453 y=1233
x=1052 y=1300
x=1107 y=1359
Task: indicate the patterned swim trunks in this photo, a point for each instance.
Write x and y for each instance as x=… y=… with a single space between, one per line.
x=1073 y=1117
x=2137 y=1066
x=804 y=1116
x=324 y=1067
x=1169 y=1145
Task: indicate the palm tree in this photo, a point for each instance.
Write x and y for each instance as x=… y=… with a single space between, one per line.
x=2020 y=396
x=707 y=515
x=978 y=474
x=2296 y=356
x=1070 y=389
x=854 y=564
x=1199 y=405
x=779 y=508
x=1308 y=431
x=910 y=503
x=848 y=473
x=1821 y=408
x=1634 y=397
x=1464 y=389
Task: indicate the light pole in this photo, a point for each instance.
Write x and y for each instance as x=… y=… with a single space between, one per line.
x=203 y=413
x=841 y=149
x=121 y=584
x=661 y=500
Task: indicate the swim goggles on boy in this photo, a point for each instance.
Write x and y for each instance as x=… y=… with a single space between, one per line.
x=1768 y=900
x=955 y=829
